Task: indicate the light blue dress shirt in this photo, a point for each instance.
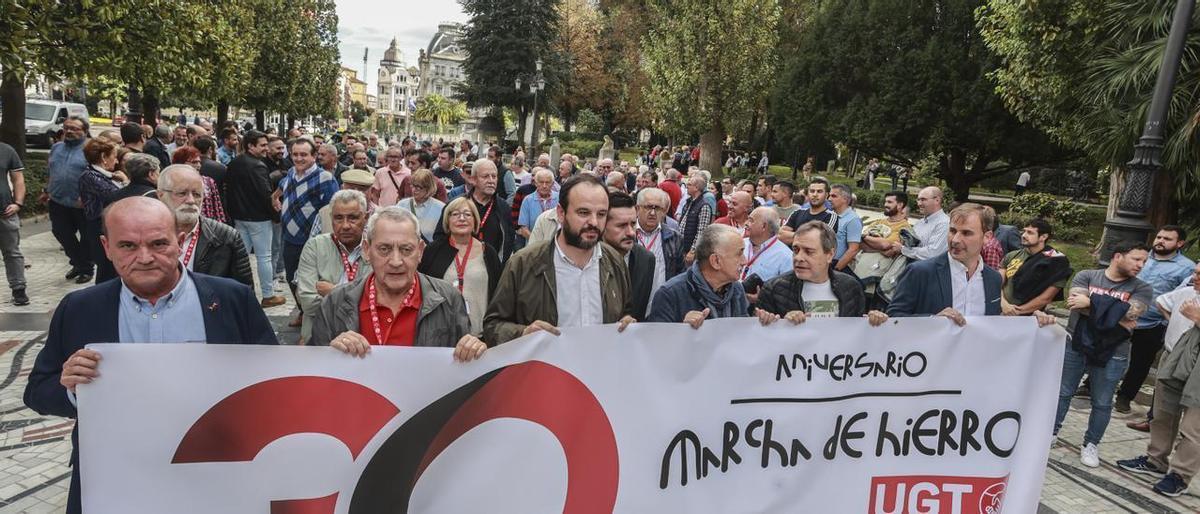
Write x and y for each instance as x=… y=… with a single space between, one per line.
x=849 y=230
x=177 y=317
x=1164 y=276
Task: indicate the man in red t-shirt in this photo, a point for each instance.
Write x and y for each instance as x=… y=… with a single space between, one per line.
x=670 y=186
x=394 y=305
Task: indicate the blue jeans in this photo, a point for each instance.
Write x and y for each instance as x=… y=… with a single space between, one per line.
x=256 y=235
x=276 y=246
x=1104 y=385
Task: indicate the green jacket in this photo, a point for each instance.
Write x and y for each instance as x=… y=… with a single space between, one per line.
x=528 y=292
x=442 y=320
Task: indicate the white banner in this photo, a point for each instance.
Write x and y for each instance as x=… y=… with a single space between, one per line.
x=916 y=416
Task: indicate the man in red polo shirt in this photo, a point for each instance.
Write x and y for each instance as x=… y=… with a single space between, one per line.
x=394 y=305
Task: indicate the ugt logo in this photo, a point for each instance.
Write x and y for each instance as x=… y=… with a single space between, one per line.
x=929 y=494
x=239 y=426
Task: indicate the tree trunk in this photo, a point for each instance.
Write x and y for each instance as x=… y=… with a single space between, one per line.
x=12 y=96
x=260 y=120
x=954 y=172
x=710 y=148
x=222 y=114
x=150 y=106
x=291 y=122
x=521 y=114
x=135 y=104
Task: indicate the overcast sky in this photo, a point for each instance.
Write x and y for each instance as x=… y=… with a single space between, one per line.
x=372 y=24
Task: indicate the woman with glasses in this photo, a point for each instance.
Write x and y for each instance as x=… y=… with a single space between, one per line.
x=465 y=262
x=211 y=207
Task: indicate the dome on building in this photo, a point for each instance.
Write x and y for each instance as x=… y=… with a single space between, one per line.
x=392 y=57
x=446 y=39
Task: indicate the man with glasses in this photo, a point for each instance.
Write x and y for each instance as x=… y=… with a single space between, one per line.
x=657 y=237
x=208 y=247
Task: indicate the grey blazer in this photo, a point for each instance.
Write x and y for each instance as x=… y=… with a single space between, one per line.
x=441 y=322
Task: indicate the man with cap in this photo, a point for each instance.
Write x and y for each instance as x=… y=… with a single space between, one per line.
x=354 y=180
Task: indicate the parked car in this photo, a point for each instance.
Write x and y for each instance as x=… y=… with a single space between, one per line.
x=44 y=119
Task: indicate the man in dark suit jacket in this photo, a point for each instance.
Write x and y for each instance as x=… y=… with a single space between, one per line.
x=134 y=309
x=620 y=232
x=957 y=283
x=157 y=145
x=218 y=250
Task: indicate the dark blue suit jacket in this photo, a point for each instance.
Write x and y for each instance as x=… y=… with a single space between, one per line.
x=926 y=289
x=231 y=315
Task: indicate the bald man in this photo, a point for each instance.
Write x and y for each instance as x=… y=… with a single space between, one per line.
x=931 y=230
x=155 y=301
x=740 y=203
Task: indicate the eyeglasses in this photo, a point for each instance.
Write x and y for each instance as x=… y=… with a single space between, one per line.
x=180 y=195
x=466 y=215
x=652 y=208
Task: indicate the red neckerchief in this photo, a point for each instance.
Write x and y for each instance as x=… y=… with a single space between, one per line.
x=351 y=270
x=746 y=270
x=374 y=307
x=187 y=256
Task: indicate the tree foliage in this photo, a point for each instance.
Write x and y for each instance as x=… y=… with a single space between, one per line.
x=709 y=65
x=904 y=79
x=503 y=40
x=1084 y=71
x=296 y=71
x=440 y=110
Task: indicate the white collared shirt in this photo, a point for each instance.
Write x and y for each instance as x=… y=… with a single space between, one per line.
x=577 y=289
x=968 y=295
x=660 y=262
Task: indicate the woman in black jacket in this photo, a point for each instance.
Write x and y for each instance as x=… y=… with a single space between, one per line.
x=469 y=264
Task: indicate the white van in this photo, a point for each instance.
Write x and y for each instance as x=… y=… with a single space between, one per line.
x=44 y=119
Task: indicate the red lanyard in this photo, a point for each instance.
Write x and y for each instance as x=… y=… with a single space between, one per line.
x=649 y=246
x=371 y=304
x=483 y=221
x=351 y=271
x=746 y=270
x=187 y=256
x=460 y=266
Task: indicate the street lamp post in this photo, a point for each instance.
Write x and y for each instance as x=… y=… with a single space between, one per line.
x=536 y=83
x=1130 y=222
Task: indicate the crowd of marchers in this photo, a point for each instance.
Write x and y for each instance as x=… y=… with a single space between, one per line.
x=421 y=243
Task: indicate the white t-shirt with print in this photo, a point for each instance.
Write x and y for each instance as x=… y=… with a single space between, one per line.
x=819 y=301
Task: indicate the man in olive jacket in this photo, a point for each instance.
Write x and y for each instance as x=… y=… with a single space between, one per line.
x=571 y=280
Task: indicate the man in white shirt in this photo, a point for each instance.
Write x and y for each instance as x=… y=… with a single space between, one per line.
x=557 y=283
x=931 y=230
x=1182 y=308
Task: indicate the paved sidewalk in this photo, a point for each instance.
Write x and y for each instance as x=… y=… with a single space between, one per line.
x=34 y=449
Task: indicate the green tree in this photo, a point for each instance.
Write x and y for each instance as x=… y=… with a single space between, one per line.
x=904 y=79
x=440 y=110
x=54 y=39
x=297 y=69
x=1084 y=71
x=709 y=65
x=503 y=40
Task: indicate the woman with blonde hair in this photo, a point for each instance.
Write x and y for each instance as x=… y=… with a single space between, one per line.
x=464 y=261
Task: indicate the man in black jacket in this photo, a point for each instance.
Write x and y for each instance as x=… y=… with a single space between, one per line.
x=620 y=232
x=209 y=247
x=248 y=191
x=813 y=289
x=157 y=145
